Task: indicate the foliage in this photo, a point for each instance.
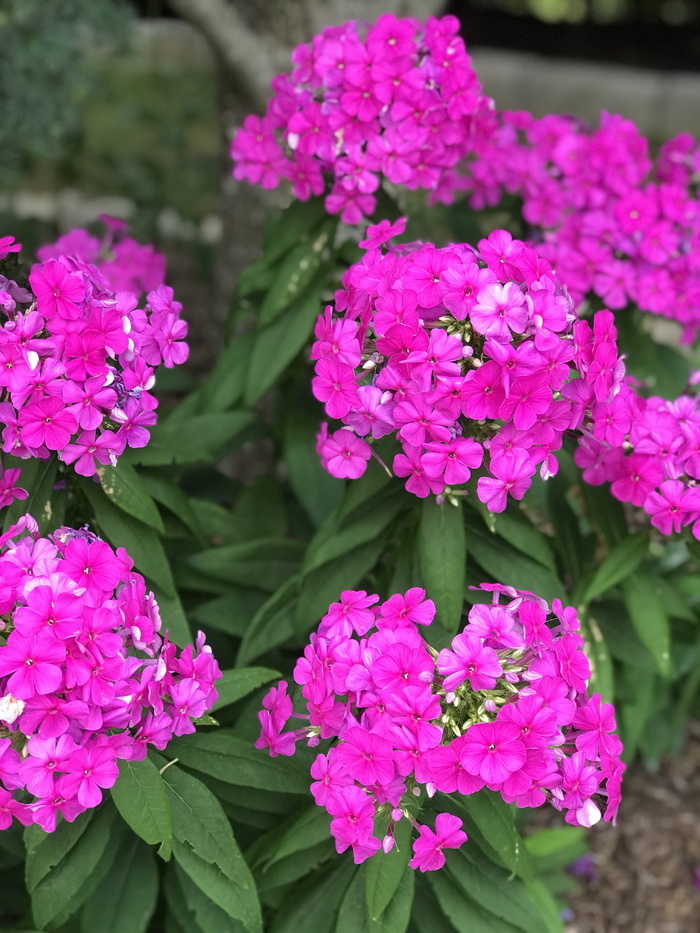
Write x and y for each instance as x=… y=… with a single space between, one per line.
x=210 y=834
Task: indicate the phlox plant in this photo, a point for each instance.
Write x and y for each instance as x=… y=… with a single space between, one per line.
x=615 y=222
x=504 y=707
x=86 y=676
x=397 y=101
x=506 y=380
x=491 y=439
x=458 y=350
x=78 y=355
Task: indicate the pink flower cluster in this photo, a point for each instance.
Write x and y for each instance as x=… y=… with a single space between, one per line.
x=504 y=708
x=613 y=222
x=126 y=264
x=458 y=351
x=75 y=696
x=402 y=103
x=77 y=359
x=649 y=450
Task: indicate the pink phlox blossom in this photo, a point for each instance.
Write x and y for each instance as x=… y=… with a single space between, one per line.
x=469 y=659
x=493 y=751
x=403 y=609
x=429 y=845
x=352 y=614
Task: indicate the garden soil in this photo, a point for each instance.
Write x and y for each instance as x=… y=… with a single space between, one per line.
x=648 y=867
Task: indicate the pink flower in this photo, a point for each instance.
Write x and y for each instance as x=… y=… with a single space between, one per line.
x=493 y=751
x=58 y=291
x=511 y=476
x=335 y=385
x=33 y=663
x=47 y=423
x=368 y=758
x=429 y=845
x=89 y=769
x=469 y=660
x=344 y=454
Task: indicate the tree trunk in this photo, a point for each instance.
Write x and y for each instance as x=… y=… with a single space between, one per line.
x=252 y=41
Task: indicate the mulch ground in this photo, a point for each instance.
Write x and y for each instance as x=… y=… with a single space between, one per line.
x=646 y=867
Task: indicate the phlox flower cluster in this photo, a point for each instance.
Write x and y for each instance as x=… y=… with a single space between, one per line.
x=459 y=352
x=649 y=451
x=612 y=222
x=85 y=677
x=126 y=264
x=78 y=358
x=504 y=708
x=397 y=101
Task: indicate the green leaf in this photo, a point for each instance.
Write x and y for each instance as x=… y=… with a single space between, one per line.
x=567 y=540
x=241 y=681
x=492 y=889
x=557 y=847
x=518 y=530
x=605 y=513
x=649 y=619
x=442 y=559
x=125 y=900
x=602 y=670
x=352 y=915
x=226 y=382
x=206 y=849
x=46 y=850
x=463 y=913
x=363 y=494
x=546 y=906
x=173 y=617
x=122 y=485
x=397 y=914
x=636 y=712
x=225 y=756
x=254 y=278
x=237 y=903
x=313 y=905
x=507 y=565
x=164 y=490
x=232 y=613
x=63 y=890
x=277 y=344
x=208 y=917
x=427 y=915
x=297 y=223
x=322 y=586
x=318 y=491
x=490 y=820
x=384 y=871
x=295 y=868
x=622 y=561
x=38 y=478
x=141 y=542
x=296 y=272
x=267 y=561
x=195 y=439
x=142 y=799
x=329 y=544
x=302 y=832
x=272 y=625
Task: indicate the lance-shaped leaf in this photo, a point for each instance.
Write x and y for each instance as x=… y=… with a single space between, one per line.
x=442 y=558
x=123 y=486
x=142 y=799
x=206 y=850
x=125 y=899
x=620 y=563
